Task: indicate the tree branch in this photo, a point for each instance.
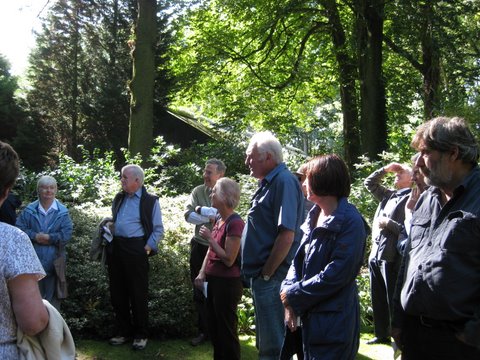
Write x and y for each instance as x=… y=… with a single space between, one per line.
x=403 y=53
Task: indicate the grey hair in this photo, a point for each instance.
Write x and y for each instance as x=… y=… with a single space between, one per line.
x=46 y=180
x=229 y=191
x=136 y=170
x=444 y=133
x=221 y=168
x=266 y=142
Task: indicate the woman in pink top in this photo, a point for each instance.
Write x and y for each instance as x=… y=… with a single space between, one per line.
x=221 y=270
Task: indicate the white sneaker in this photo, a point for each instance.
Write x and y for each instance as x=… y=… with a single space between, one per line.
x=117 y=340
x=139 y=344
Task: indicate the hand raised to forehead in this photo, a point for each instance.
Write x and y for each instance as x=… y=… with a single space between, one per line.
x=394 y=167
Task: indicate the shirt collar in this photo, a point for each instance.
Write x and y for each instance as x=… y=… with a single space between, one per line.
x=52 y=207
x=138 y=193
x=403 y=191
x=276 y=170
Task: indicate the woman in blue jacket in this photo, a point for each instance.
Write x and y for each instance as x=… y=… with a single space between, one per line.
x=48 y=225
x=319 y=292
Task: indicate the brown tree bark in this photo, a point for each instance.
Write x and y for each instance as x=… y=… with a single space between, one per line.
x=141 y=86
x=373 y=112
x=431 y=64
x=348 y=75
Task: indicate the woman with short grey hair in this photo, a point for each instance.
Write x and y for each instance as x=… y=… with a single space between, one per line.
x=47 y=223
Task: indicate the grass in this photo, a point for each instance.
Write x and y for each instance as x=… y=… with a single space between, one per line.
x=180 y=349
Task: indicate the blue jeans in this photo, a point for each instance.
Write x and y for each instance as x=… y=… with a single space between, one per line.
x=269 y=317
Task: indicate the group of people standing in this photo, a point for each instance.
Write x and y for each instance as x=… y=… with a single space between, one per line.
x=424 y=262
x=302 y=277
x=300 y=261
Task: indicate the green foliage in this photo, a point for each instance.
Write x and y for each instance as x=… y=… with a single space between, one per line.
x=87 y=310
x=93 y=179
x=246 y=314
x=177 y=171
x=366 y=311
x=10 y=111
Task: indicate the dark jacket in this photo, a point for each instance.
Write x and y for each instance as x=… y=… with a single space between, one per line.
x=440 y=275
x=8 y=210
x=320 y=283
x=392 y=205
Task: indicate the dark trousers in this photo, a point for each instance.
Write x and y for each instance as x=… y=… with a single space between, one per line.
x=436 y=341
x=292 y=344
x=197 y=255
x=128 y=275
x=383 y=277
x=223 y=296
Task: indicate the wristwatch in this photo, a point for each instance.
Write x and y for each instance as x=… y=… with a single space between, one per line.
x=266 y=277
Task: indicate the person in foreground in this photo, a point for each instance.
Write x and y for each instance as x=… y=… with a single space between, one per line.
x=47 y=223
x=200 y=197
x=20 y=271
x=320 y=286
x=270 y=238
x=437 y=302
x=137 y=228
x=221 y=271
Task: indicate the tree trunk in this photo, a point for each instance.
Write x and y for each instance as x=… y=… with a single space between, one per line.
x=373 y=113
x=431 y=64
x=348 y=75
x=75 y=93
x=143 y=78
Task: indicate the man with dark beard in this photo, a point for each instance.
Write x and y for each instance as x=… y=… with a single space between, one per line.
x=437 y=302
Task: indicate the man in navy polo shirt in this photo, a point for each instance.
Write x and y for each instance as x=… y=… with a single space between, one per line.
x=270 y=238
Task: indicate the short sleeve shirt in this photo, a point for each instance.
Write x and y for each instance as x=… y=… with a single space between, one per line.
x=215 y=266
x=277 y=205
x=17 y=257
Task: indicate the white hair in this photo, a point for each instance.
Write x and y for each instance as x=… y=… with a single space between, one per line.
x=137 y=172
x=266 y=142
x=46 y=180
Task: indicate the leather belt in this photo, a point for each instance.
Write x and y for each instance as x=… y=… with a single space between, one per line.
x=121 y=238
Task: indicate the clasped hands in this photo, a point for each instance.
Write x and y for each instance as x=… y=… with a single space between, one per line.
x=42 y=238
x=290 y=317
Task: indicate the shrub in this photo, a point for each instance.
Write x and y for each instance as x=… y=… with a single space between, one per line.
x=366 y=311
x=246 y=314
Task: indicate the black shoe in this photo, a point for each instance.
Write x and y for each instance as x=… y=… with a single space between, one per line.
x=376 y=340
x=200 y=339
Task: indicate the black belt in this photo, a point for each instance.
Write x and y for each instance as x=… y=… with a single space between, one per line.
x=440 y=324
x=121 y=238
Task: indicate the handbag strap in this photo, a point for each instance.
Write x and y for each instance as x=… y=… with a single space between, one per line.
x=60 y=248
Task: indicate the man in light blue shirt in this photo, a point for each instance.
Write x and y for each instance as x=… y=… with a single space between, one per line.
x=137 y=229
x=270 y=238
